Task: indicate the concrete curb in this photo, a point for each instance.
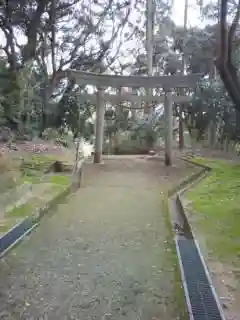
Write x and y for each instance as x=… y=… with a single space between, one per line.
x=190 y=179
x=200 y=165
x=186 y=183
x=11 y=238
x=195 y=178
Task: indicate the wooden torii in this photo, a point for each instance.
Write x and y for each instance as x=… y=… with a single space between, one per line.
x=103 y=81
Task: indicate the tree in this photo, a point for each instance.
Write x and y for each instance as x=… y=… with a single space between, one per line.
x=224 y=62
x=61 y=35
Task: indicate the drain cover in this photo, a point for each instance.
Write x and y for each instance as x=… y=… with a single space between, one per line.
x=15 y=233
x=203 y=302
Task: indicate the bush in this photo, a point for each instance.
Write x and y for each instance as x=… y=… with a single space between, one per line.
x=62 y=141
x=24 y=134
x=50 y=134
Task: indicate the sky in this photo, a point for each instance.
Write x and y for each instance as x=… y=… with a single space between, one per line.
x=177 y=15
x=193 y=13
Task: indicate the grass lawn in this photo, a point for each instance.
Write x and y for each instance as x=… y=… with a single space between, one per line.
x=215 y=204
x=32 y=169
x=21 y=211
x=36 y=163
x=58 y=184
x=60 y=180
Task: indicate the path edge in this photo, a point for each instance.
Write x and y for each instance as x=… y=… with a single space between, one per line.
x=177 y=191
x=189 y=181
x=182 y=187
x=16 y=234
x=177 y=266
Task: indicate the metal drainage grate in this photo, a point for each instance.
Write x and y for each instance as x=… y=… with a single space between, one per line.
x=202 y=300
x=14 y=234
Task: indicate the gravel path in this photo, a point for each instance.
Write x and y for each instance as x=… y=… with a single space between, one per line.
x=102 y=255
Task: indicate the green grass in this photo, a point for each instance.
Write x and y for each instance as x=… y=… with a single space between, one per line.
x=33 y=168
x=216 y=205
x=60 y=180
x=36 y=163
x=33 y=173
x=54 y=190
x=21 y=211
x=4 y=228
x=31 y=178
x=7 y=226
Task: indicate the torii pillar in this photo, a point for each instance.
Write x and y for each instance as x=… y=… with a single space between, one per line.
x=100 y=112
x=168 y=116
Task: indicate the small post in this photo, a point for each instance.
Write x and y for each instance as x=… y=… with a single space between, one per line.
x=99 y=126
x=168 y=114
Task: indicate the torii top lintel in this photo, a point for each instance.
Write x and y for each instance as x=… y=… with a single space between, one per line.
x=115 y=81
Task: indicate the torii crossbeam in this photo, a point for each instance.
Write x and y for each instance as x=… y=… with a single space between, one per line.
x=115 y=99
x=106 y=80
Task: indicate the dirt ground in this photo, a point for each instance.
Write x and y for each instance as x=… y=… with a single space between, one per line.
x=226 y=280
x=104 y=254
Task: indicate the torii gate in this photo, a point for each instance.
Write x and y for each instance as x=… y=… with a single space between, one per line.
x=102 y=81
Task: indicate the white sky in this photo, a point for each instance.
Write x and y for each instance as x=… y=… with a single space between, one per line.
x=177 y=15
x=193 y=12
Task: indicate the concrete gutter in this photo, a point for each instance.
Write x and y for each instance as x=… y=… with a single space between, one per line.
x=187 y=238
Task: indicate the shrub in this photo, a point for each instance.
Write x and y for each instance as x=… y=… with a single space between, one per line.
x=62 y=141
x=50 y=134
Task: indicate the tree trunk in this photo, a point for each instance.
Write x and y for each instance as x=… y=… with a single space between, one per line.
x=43 y=110
x=227 y=71
x=110 y=138
x=168 y=128
x=181 y=133
x=99 y=126
x=212 y=134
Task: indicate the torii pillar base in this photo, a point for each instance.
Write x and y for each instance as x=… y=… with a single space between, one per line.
x=97 y=157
